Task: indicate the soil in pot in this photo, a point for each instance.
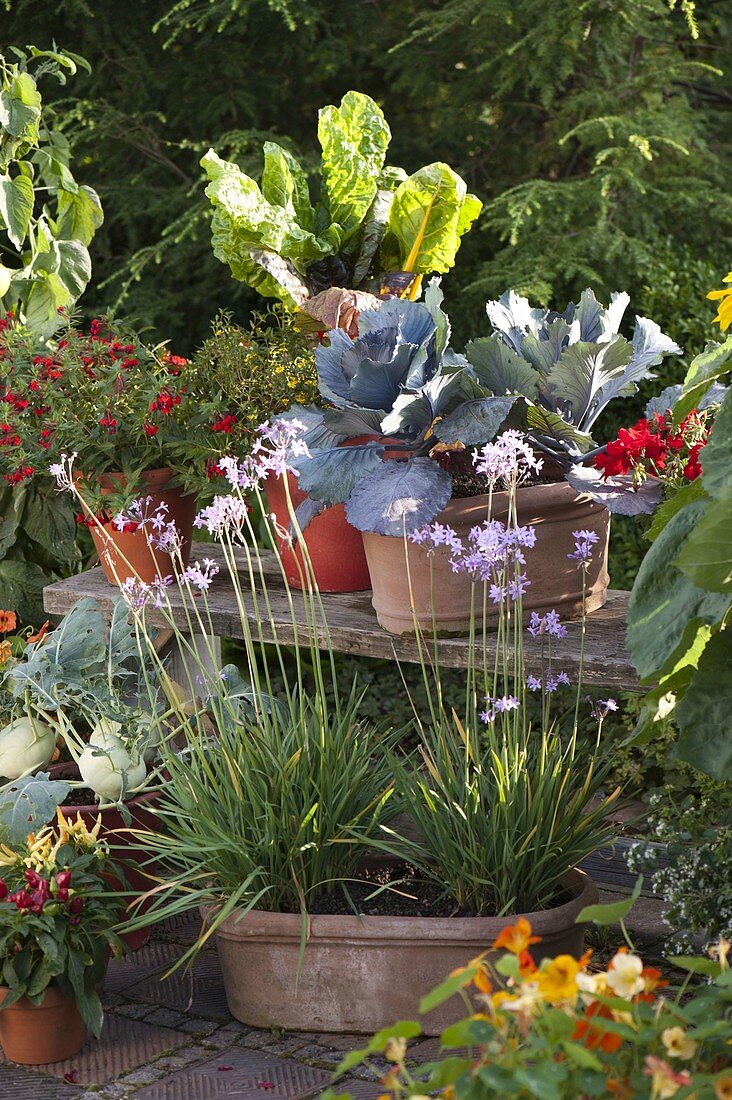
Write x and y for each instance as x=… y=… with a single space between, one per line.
x=361 y=973
x=127 y=553
x=334 y=547
x=133 y=861
x=35 y=1035
x=441 y=598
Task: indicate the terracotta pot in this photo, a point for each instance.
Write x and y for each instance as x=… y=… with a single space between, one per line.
x=115 y=831
x=335 y=548
x=362 y=974
x=556 y=582
x=37 y=1034
x=123 y=554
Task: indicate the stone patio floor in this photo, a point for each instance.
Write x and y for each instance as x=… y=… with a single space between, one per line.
x=175 y=1039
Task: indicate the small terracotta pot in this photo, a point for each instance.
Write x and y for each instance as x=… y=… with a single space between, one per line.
x=334 y=547
x=115 y=832
x=363 y=973
x=37 y=1034
x=554 y=510
x=123 y=554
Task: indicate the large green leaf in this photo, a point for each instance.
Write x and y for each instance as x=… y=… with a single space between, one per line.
x=693 y=490
x=713 y=363
x=582 y=370
x=16 y=207
x=665 y=604
x=20 y=113
x=48 y=519
x=80 y=214
x=12 y=503
x=551 y=426
x=704 y=715
x=75 y=267
x=716 y=458
x=285 y=184
x=706 y=556
x=354 y=138
x=430 y=213
x=21 y=589
x=28 y=803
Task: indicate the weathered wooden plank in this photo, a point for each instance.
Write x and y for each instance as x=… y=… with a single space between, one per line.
x=350 y=624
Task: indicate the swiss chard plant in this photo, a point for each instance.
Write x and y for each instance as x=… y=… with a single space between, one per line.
x=568 y=367
x=398 y=379
x=362 y=219
x=678 y=617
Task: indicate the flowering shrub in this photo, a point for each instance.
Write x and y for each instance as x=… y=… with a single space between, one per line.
x=57 y=917
x=567 y=1029
x=657 y=447
x=117 y=404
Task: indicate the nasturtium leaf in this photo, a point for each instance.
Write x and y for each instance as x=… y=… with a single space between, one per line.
x=706 y=556
x=664 y=602
x=354 y=138
x=399 y=497
x=16 y=207
x=611 y=912
x=500 y=369
x=474 y=421
x=430 y=212
x=331 y=475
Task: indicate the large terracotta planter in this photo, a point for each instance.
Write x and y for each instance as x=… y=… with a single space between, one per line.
x=362 y=974
x=37 y=1034
x=555 y=511
x=334 y=547
x=115 y=831
x=124 y=554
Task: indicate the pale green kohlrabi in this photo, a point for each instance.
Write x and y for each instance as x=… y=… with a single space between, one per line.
x=368 y=218
x=109 y=767
x=26 y=746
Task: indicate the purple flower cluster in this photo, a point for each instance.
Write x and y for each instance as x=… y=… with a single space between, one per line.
x=137 y=594
x=548 y=683
x=224 y=515
x=280 y=442
x=546 y=624
x=509 y=458
x=602 y=708
x=494 y=554
x=501 y=705
x=201 y=576
x=583 y=543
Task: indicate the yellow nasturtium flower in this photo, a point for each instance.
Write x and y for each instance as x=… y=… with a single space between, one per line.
x=557 y=978
x=724 y=309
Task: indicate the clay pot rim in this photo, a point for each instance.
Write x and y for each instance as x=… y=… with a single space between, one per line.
x=52 y=993
x=261 y=923
x=546 y=494
x=63 y=771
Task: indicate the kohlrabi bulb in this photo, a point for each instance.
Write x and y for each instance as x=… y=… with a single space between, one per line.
x=108 y=768
x=26 y=746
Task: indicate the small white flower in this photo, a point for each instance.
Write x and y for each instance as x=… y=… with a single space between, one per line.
x=624 y=975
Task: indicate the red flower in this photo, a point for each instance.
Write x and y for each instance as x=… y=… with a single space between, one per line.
x=224 y=424
x=3 y=890
x=692 y=469
x=150 y=429
x=21 y=474
x=109 y=423
x=165 y=402
x=63 y=879
x=127 y=364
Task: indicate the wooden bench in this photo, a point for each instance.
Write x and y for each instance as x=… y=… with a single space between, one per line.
x=352 y=626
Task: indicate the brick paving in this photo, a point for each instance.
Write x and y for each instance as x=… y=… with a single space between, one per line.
x=175 y=1040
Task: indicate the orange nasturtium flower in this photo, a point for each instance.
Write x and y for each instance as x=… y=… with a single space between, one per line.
x=591 y=1034
x=516 y=937
x=724 y=309
x=8 y=621
x=40 y=634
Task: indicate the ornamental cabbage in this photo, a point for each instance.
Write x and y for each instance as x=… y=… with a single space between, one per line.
x=26 y=746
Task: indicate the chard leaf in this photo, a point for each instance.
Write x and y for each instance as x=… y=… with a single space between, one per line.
x=374 y=227
x=285 y=184
x=500 y=369
x=399 y=497
x=244 y=219
x=618 y=494
x=282 y=273
x=581 y=372
x=354 y=138
x=331 y=475
x=474 y=421
x=430 y=213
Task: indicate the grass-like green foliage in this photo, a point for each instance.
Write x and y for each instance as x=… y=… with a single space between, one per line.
x=272 y=809
x=502 y=818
